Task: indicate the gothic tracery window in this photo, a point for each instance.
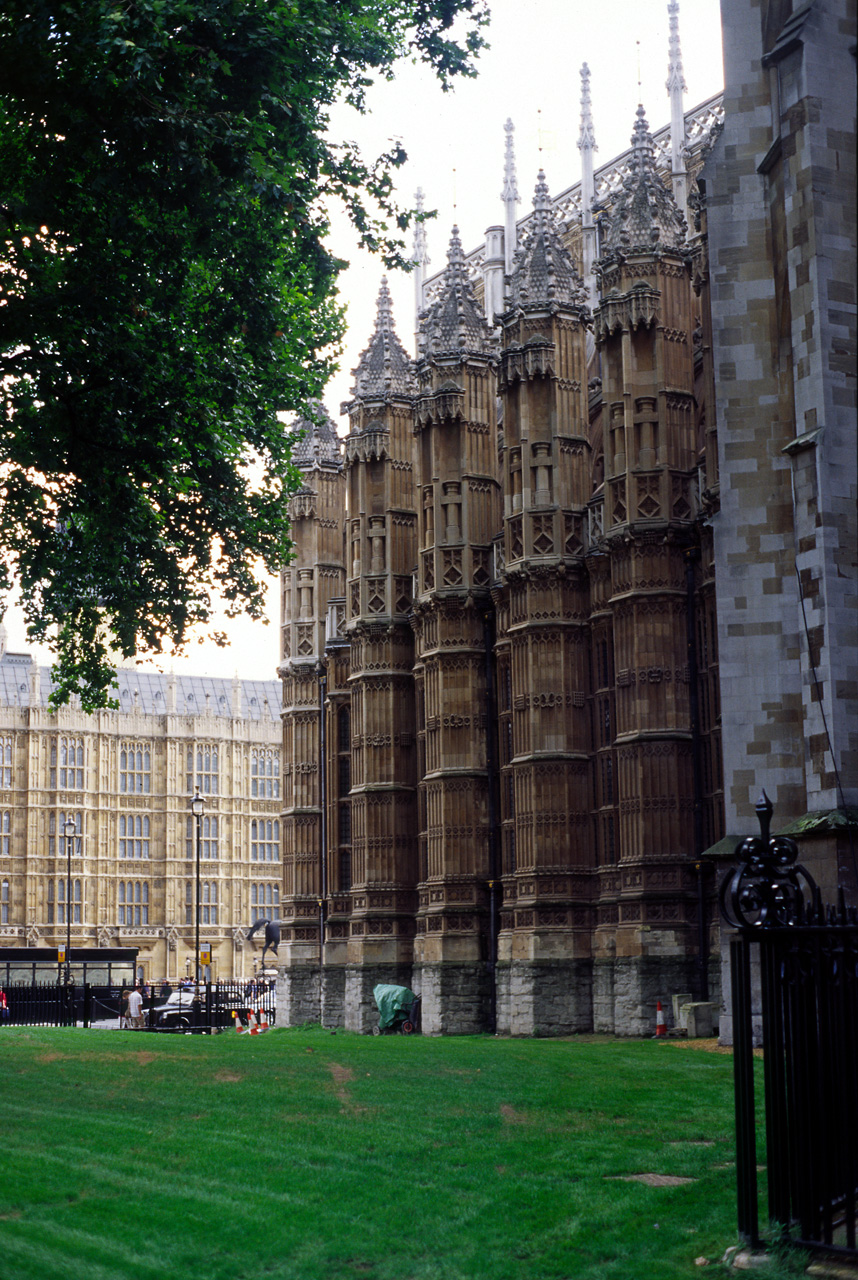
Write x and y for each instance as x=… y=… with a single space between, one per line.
x=265 y=840
x=202 y=769
x=133 y=836
x=67 y=764
x=265 y=773
x=135 y=765
x=6 y=762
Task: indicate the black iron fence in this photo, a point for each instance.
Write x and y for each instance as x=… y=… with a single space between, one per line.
x=41 y=1004
x=808 y=1009
x=213 y=1007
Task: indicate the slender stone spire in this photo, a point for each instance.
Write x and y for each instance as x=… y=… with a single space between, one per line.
x=510 y=197
x=420 y=258
x=455 y=322
x=645 y=217
x=543 y=270
x=676 y=86
x=384 y=367
x=587 y=145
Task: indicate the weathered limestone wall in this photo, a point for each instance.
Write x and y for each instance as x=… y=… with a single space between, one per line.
x=297 y=994
x=781 y=216
x=456 y=999
x=361 y=1010
x=545 y=998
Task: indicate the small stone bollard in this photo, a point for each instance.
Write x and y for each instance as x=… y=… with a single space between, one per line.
x=679 y=1003
x=701 y=1019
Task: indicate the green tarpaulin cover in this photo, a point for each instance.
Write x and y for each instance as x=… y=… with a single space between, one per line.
x=393 y=1003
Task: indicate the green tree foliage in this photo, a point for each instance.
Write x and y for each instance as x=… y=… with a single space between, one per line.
x=165 y=290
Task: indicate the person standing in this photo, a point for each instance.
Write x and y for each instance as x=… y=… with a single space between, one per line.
x=135 y=1009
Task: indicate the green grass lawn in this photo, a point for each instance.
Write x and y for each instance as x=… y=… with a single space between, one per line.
x=307 y=1156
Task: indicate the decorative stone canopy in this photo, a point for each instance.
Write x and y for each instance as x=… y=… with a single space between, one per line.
x=455 y=321
x=319 y=444
x=543 y=270
x=645 y=217
x=384 y=368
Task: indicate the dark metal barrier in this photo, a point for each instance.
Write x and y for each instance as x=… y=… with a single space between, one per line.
x=57 y=1005
x=41 y=1004
x=808 y=967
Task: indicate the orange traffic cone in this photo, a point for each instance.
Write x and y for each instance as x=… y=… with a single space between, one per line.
x=239 y=1026
x=263 y=1019
x=660 y=1024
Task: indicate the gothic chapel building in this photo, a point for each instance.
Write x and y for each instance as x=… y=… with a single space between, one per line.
x=502 y=732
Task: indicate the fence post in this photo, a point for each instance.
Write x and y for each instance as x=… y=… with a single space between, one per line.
x=743 y=1085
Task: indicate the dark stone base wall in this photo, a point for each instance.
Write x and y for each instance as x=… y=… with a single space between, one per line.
x=361 y=1013
x=455 y=998
x=333 y=996
x=534 y=998
x=297 y=995
x=545 y=998
x=626 y=992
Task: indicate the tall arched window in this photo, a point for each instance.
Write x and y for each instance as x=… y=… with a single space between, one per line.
x=265 y=773
x=202 y=769
x=135 y=768
x=5 y=832
x=133 y=836
x=4 y=902
x=265 y=840
x=6 y=763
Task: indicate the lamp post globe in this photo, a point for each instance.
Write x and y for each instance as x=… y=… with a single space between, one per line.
x=69 y=831
x=197 y=806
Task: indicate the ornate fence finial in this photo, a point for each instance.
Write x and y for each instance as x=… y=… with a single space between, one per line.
x=767 y=888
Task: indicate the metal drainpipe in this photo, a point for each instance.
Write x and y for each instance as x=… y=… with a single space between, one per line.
x=692 y=555
x=492 y=770
x=323 y=826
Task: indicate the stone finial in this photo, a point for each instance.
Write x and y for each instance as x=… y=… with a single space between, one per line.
x=645 y=217
x=455 y=321
x=510 y=188
x=543 y=270
x=420 y=258
x=675 y=79
x=510 y=198
x=420 y=254
x=384 y=368
x=587 y=136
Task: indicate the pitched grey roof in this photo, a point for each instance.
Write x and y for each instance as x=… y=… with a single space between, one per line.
x=150 y=692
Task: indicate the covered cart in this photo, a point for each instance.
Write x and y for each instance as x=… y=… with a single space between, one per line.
x=398 y=1009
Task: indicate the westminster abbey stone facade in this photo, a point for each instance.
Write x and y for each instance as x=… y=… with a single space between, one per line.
x=503 y=660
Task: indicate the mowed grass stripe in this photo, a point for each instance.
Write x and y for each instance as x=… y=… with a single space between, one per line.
x=309 y=1157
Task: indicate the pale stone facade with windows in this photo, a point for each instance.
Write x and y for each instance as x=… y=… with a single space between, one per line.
x=125 y=778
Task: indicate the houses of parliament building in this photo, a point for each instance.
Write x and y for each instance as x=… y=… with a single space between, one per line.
x=580 y=579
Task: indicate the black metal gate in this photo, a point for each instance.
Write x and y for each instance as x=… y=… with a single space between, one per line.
x=808 y=971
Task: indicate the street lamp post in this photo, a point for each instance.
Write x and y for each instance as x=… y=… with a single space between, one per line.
x=69 y=831
x=197 y=805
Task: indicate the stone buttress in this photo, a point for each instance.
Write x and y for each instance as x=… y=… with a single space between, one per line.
x=544 y=960
x=644 y=766
x=459 y=495
x=315 y=575
x=381 y=549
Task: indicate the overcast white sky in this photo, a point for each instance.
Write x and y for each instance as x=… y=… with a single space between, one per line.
x=455 y=144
